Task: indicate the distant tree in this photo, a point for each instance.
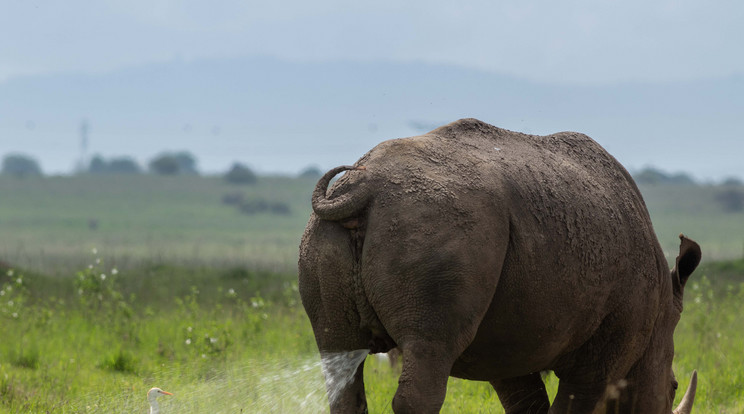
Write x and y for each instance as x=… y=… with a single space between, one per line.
x=240 y=174
x=97 y=165
x=731 y=199
x=186 y=163
x=311 y=172
x=121 y=165
x=19 y=165
x=169 y=163
x=124 y=165
x=653 y=176
x=164 y=164
x=733 y=182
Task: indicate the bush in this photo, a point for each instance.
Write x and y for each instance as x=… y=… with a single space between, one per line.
x=311 y=173
x=233 y=199
x=121 y=165
x=18 y=165
x=653 y=176
x=240 y=174
x=173 y=163
x=731 y=199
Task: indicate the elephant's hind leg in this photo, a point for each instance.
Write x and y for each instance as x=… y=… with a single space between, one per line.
x=423 y=383
x=523 y=395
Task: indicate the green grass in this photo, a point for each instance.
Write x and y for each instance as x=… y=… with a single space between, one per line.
x=692 y=210
x=45 y=221
x=203 y=302
x=225 y=340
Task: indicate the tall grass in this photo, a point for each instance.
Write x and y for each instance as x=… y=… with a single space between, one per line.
x=226 y=340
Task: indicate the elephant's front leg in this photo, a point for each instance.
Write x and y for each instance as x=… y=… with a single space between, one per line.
x=344 y=377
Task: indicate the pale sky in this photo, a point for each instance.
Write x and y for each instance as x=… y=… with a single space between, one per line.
x=575 y=41
x=577 y=44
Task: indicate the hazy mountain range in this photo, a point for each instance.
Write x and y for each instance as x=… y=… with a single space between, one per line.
x=280 y=116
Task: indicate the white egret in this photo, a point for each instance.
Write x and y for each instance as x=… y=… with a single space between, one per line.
x=152 y=398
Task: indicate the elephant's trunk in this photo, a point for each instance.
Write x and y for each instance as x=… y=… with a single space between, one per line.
x=345 y=205
x=685 y=406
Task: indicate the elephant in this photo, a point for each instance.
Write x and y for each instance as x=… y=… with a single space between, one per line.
x=492 y=255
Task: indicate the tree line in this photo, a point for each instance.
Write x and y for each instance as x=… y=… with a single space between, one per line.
x=165 y=163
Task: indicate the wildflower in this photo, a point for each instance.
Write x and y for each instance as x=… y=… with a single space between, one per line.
x=103 y=276
x=11 y=303
x=188 y=341
x=98 y=261
x=19 y=280
x=15 y=314
x=189 y=329
x=94 y=250
x=90 y=266
x=213 y=340
x=10 y=273
x=2 y=292
x=114 y=271
x=204 y=356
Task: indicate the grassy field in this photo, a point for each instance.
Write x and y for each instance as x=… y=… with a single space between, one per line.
x=46 y=222
x=176 y=289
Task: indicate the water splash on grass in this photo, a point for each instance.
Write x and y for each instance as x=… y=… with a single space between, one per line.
x=258 y=386
x=339 y=369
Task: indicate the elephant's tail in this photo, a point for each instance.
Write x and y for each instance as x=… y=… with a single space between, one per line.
x=345 y=205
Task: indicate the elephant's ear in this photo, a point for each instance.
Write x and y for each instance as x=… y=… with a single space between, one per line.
x=687 y=261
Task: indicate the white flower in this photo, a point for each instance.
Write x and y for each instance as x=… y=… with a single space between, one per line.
x=189 y=329
x=188 y=341
x=103 y=276
x=2 y=293
x=15 y=314
x=94 y=250
x=10 y=273
x=10 y=303
x=114 y=271
x=204 y=355
x=98 y=261
x=213 y=340
x=19 y=280
x=90 y=266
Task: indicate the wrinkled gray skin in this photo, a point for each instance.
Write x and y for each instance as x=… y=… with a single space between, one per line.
x=492 y=255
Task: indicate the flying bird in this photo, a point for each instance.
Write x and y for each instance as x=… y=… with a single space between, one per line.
x=152 y=398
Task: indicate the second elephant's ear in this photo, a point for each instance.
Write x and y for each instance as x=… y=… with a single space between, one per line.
x=686 y=263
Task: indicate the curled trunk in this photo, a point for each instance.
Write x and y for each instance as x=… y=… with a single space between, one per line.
x=685 y=406
x=345 y=205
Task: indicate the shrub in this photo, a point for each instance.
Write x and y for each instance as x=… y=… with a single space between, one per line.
x=731 y=199
x=169 y=163
x=18 y=165
x=240 y=174
x=233 y=199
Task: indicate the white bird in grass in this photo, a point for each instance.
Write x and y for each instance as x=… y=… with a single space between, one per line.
x=152 y=398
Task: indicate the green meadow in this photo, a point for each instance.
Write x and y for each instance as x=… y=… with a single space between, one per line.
x=111 y=285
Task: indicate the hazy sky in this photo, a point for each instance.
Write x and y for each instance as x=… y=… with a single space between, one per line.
x=575 y=44
x=575 y=41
